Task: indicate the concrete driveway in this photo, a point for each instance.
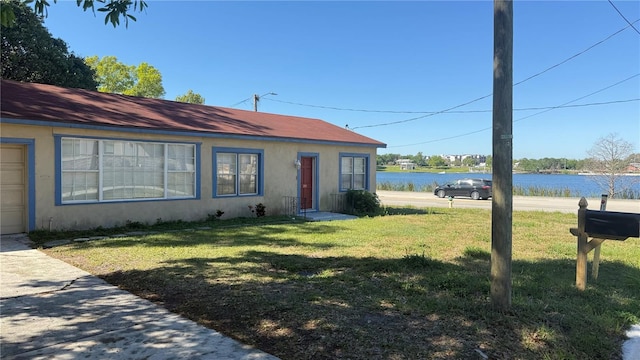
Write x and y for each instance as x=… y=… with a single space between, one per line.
x=52 y=310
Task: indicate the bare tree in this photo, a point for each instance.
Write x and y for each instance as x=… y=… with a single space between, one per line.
x=608 y=162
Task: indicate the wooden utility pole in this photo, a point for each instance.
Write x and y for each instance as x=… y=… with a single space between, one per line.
x=256 y=98
x=502 y=199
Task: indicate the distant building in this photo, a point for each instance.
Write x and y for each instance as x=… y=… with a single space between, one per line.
x=406 y=164
x=458 y=159
x=633 y=167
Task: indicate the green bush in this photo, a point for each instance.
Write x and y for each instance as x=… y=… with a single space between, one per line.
x=361 y=202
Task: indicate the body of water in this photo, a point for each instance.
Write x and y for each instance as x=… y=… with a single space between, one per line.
x=577 y=185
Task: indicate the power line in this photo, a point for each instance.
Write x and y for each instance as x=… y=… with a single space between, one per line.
x=625 y=19
x=576 y=55
x=450 y=110
x=580 y=98
x=489 y=110
x=240 y=102
x=424 y=116
x=526 y=117
x=354 y=110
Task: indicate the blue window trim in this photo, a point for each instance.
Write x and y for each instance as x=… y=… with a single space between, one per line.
x=214 y=152
x=367 y=169
x=58 y=169
x=31 y=177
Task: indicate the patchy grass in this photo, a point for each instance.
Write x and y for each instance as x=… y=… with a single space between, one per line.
x=408 y=286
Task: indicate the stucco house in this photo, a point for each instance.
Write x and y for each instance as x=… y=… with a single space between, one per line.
x=77 y=159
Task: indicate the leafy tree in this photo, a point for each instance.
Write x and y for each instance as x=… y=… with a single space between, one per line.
x=29 y=53
x=634 y=158
x=114 y=9
x=608 y=160
x=190 y=97
x=436 y=161
x=118 y=78
x=149 y=82
x=385 y=159
x=420 y=159
x=112 y=76
x=469 y=161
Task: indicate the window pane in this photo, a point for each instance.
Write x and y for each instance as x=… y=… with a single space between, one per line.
x=79 y=186
x=181 y=169
x=248 y=170
x=358 y=182
x=347 y=165
x=248 y=184
x=181 y=185
x=359 y=165
x=226 y=184
x=79 y=169
x=226 y=164
x=248 y=163
x=345 y=181
x=226 y=173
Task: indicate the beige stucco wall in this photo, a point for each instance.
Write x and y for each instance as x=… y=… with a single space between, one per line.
x=280 y=177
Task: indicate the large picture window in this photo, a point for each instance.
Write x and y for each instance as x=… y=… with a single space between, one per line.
x=353 y=172
x=238 y=172
x=96 y=170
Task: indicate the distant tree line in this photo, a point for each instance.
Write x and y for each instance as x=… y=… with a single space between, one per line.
x=525 y=164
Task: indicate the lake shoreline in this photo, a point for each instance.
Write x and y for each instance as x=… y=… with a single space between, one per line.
x=525 y=184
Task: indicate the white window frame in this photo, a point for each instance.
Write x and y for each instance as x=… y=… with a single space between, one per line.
x=354 y=171
x=137 y=182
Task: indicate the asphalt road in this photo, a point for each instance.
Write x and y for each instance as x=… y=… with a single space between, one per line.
x=524 y=203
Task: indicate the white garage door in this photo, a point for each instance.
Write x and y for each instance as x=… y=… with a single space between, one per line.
x=13 y=188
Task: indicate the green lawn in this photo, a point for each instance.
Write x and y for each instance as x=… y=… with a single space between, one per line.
x=412 y=286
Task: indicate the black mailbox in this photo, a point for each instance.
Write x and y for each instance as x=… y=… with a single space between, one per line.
x=611 y=224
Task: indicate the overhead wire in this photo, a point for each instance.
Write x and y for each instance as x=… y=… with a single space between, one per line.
x=450 y=110
x=625 y=19
x=516 y=109
x=525 y=117
x=240 y=102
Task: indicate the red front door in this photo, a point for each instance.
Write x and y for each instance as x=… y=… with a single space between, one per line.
x=306 y=183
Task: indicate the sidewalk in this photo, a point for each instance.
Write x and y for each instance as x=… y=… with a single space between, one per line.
x=52 y=310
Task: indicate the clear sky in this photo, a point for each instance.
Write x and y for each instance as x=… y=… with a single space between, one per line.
x=391 y=64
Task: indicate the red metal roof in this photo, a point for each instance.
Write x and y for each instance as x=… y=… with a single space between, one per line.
x=39 y=102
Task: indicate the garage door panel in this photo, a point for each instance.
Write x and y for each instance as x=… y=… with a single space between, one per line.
x=12 y=198
x=12 y=176
x=14 y=154
x=12 y=217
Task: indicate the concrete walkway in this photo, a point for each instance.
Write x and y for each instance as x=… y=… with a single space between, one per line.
x=52 y=310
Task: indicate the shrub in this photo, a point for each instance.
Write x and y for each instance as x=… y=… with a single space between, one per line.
x=362 y=202
x=260 y=210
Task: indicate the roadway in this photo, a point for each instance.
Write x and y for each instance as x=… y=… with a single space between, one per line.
x=523 y=203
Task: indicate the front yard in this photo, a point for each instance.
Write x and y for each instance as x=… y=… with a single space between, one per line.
x=412 y=286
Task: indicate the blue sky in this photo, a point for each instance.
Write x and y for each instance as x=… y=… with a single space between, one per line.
x=392 y=63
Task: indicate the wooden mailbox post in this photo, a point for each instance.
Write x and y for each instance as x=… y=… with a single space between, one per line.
x=600 y=226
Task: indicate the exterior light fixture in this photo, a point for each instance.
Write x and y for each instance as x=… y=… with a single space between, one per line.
x=297 y=164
